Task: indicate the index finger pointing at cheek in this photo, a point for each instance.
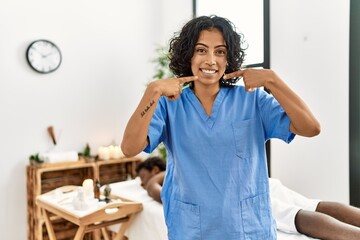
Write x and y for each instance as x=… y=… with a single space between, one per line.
x=238 y=73
x=188 y=79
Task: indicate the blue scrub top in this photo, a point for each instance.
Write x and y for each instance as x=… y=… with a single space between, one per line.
x=216 y=183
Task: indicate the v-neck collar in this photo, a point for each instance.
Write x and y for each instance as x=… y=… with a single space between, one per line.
x=209 y=120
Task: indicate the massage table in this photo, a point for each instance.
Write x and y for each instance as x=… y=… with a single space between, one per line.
x=149 y=224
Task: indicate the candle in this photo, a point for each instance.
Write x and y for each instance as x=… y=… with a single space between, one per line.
x=100 y=152
x=88 y=186
x=111 y=151
x=116 y=152
x=103 y=153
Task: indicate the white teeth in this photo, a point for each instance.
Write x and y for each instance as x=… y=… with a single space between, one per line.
x=208 y=71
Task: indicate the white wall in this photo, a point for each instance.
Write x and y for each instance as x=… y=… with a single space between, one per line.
x=107 y=49
x=310 y=50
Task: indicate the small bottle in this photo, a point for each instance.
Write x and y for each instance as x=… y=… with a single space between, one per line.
x=97 y=189
x=107 y=192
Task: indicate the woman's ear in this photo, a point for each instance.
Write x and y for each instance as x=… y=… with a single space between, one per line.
x=155 y=170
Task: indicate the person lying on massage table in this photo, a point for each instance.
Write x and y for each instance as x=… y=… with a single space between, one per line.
x=293 y=212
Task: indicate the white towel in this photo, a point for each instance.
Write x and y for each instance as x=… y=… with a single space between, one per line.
x=55 y=157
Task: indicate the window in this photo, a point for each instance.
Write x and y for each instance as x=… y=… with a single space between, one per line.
x=250 y=17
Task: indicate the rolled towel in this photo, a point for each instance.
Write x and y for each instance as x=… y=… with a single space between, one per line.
x=55 y=157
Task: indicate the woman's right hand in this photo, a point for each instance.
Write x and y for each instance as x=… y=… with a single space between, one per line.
x=170 y=87
x=135 y=135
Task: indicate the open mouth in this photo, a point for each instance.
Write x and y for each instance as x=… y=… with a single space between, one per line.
x=208 y=71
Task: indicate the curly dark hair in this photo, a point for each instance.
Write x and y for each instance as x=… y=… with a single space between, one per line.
x=150 y=163
x=182 y=46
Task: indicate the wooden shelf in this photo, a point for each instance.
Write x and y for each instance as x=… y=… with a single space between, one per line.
x=46 y=177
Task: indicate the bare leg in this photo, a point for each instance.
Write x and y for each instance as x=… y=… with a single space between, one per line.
x=319 y=225
x=342 y=212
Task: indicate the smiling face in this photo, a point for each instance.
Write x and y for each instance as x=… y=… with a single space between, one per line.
x=209 y=59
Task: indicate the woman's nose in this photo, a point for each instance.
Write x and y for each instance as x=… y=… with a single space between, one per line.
x=210 y=60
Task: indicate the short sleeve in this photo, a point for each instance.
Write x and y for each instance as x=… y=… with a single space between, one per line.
x=156 y=131
x=274 y=117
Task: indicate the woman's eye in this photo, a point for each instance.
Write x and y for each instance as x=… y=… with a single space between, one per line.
x=200 y=50
x=222 y=52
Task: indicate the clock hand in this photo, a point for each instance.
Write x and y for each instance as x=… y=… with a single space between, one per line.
x=50 y=53
x=41 y=54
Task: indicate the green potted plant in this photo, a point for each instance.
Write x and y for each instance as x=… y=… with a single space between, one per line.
x=86 y=154
x=162 y=69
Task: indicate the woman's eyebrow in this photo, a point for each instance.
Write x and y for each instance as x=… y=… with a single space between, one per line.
x=202 y=44
x=218 y=46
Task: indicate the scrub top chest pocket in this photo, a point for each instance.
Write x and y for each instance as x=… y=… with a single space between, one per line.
x=245 y=137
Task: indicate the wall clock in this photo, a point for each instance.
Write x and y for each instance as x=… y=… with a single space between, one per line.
x=43 y=56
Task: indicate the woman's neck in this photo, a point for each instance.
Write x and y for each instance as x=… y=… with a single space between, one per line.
x=206 y=96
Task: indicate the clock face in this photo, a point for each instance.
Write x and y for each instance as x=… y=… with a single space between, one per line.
x=43 y=56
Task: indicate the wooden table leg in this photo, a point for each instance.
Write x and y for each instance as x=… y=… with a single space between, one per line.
x=39 y=228
x=49 y=226
x=105 y=234
x=124 y=226
x=80 y=233
x=96 y=234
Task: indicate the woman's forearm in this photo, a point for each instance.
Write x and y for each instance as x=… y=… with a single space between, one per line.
x=135 y=134
x=302 y=120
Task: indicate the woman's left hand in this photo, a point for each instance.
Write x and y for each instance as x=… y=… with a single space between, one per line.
x=253 y=78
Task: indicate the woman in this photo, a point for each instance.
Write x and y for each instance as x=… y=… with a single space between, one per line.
x=216 y=184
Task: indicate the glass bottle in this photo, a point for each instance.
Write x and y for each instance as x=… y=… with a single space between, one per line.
x=97 y=189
